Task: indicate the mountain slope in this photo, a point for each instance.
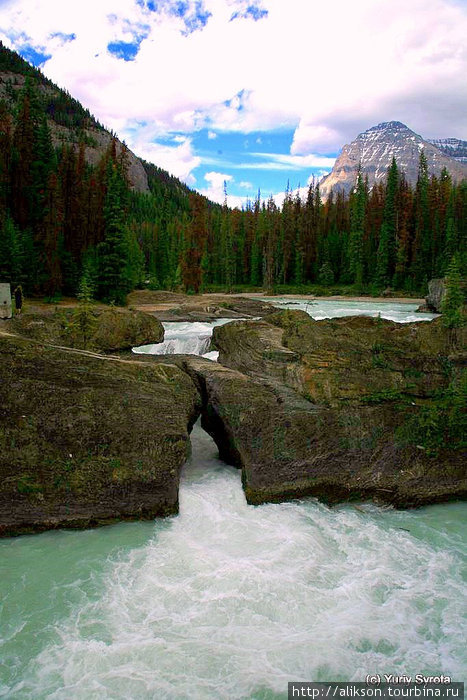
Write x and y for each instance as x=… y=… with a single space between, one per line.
x=376 y=147
x=68 y=121
x=454 y=148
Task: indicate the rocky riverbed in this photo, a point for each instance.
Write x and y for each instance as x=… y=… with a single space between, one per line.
x=339 y=409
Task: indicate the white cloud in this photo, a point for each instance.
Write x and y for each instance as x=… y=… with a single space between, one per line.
x=217 y=184
x=298 y=161
x=179 y=160
x=212 y=135
x=313 y=138
x=388 y=59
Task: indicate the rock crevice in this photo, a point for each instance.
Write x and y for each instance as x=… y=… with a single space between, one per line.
x=352 y=408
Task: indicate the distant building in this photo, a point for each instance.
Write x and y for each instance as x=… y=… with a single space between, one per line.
x=5 y=300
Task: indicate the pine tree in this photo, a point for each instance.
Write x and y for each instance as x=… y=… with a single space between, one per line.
x=386 y=255
x=326 y=274
x=24 y=155
x=421 y=254
x=10 y=252
x=112 y=252
x=194 y=245
x=84 y=321
x=270 y=245
x=51 y=237
x=357 y=222
x=6 y=143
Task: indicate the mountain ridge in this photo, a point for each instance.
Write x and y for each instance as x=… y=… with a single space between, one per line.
x=374 y=150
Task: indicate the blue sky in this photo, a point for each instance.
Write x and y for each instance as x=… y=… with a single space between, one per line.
x=250 y=162
x=256 y=93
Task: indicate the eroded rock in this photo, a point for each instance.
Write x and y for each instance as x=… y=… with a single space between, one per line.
x=331 y=408
x=103 y=330
x=86 y=440
x=342 y=359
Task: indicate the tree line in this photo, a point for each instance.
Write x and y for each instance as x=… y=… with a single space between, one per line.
x=67 y=226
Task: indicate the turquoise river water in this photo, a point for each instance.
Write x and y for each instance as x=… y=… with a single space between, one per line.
x=231 y=601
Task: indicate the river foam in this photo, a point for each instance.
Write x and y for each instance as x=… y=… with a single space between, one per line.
x=185 y=338
x=232 y=601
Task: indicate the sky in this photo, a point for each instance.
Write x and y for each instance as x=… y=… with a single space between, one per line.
x=250 y=95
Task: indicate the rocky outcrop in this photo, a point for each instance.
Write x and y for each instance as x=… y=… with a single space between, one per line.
x=454 y=148
x=435 y=296
x=85 y=439
x=351 y=408
x=97 y=140
x=375 y=148
x=102 y=330
x=330 y=361
x=332 y=409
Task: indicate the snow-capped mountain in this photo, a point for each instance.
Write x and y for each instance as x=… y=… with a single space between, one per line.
x=376 y=147
x=454 y=148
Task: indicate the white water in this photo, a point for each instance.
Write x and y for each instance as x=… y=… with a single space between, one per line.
x=322 y=308
x=231 y=601
x=185 y=338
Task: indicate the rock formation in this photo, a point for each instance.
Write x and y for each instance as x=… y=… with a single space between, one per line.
x=86 y=439
x=333 y=408
x=350 y=408
x=107 y=330
x=170 y=306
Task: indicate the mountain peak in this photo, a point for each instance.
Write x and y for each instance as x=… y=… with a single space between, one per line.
x=375 y=148
x=389 y=126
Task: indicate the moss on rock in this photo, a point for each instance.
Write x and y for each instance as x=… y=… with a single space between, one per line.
x=87 y=439
x=105 y=331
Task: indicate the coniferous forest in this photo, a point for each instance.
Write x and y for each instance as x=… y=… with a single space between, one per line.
x=66 y=226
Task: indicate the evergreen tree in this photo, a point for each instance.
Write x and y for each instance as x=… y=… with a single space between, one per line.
x=50 y=231
x=357 y=222
x=24 y=151
x=421 y=253
x=6 y=143
x=112 y=252
x=10 y=252
x=386 y=255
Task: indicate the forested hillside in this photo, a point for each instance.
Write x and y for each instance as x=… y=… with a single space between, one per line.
x=67 y=225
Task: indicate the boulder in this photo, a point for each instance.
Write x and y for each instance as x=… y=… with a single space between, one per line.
x=88 y=439
x=343 y=359
x=84 y=327
x=335 y=409
x=435 y=296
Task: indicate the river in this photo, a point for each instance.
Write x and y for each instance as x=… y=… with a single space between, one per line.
x=229 y=601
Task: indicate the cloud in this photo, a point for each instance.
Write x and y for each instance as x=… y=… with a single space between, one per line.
x=179 y=160
x=123 y=49
x=273 y=67
x=217 y=186
x=212 y=135
x=297 y=162
x=249 y=10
